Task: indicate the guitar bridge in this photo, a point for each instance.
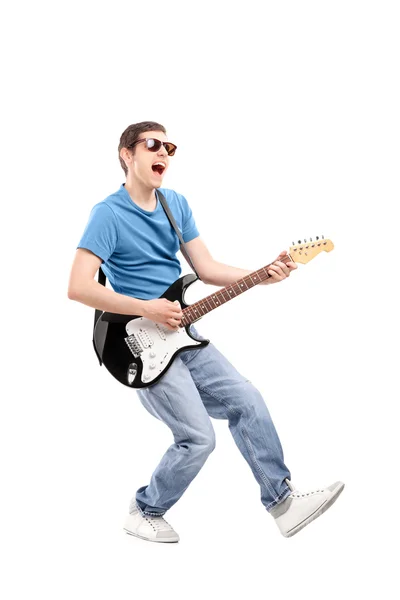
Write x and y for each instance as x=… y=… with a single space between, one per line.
x=133 y=345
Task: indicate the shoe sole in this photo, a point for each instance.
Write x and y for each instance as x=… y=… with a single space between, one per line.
x=328 y=502
x=169 y=541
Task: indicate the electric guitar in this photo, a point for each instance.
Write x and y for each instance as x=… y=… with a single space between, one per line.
x=138 y=351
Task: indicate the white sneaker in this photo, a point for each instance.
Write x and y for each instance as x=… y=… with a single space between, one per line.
x=299 y=509
x=154 y=529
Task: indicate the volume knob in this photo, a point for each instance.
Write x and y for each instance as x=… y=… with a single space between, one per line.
x=152 y=354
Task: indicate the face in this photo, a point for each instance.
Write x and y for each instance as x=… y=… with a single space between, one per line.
x=142 y=161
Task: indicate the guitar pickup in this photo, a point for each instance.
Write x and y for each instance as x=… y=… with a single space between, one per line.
x=161 y=332
x=144 y=338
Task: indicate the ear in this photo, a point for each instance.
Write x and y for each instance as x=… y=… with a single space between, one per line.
x=125 y=154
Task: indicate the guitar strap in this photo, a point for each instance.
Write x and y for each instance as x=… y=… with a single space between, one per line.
x=102 y=278
x=174 y=225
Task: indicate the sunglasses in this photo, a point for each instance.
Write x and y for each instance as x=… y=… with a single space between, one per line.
x=154 y=145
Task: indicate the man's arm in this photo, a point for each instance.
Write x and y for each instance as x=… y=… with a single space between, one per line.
x=220 y=274
x=84 y=288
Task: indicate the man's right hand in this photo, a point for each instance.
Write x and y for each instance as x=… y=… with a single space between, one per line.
x=164 y=311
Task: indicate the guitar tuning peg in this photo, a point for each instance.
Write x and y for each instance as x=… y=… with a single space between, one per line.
x=310 y=239
x=317 y=238
x=323 y=237
x=305 y=241
x=299 y=242
x=292 y=243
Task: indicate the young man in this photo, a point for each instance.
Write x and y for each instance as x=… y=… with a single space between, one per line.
x=129 y=235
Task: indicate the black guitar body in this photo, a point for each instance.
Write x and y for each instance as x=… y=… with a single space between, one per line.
x=140 y=357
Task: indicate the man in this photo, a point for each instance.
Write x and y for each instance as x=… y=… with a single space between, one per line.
x=130 y=236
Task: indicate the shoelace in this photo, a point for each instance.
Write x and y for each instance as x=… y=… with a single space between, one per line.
x=158 y=523
x=297 y=494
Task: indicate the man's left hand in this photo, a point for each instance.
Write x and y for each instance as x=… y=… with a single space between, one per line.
x=279 y=270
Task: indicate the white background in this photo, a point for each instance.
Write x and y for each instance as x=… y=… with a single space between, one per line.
x=286 y=117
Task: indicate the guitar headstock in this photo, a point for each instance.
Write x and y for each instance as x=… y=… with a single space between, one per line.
x=304 y=252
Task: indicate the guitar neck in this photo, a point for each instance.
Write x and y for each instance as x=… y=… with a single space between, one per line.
x=193 y=312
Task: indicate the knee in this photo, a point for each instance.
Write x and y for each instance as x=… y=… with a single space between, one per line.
x=205 y=444
x=211 y=443
x=250 y=404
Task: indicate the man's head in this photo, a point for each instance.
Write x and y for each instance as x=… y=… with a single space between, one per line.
x=138 y=153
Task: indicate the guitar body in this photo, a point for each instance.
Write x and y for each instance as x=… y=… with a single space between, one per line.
x=138 y=351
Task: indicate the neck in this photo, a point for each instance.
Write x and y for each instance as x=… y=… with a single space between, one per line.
x=195 y=311
x=140 y=193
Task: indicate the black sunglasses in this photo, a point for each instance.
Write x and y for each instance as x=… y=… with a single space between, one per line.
x=154 y=145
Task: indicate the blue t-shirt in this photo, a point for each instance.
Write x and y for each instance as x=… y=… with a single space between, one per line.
x=138 y=247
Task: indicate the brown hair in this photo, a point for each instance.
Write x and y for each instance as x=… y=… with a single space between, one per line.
x=132 y=133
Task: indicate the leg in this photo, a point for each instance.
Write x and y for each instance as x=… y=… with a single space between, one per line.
x=175 y=400
x=228 y=395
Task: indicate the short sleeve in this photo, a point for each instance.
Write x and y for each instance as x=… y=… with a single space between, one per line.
x=189 y=228
x=101 y=233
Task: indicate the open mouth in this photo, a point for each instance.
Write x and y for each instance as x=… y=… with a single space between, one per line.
x=158 y=167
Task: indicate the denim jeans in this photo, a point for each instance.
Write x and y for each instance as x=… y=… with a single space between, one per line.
x=200 y=384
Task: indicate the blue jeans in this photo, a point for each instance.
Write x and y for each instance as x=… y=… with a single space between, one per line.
x=199 y=384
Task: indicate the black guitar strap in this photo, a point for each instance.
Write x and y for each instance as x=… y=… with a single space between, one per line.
x=102 y=278
x=174 y=225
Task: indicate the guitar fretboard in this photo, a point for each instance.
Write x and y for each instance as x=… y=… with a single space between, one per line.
x=193 y=312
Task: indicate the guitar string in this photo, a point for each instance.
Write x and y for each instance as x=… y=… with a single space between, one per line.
x=249 y=278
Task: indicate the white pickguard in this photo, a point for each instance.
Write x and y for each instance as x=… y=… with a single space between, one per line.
x=157 y=344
